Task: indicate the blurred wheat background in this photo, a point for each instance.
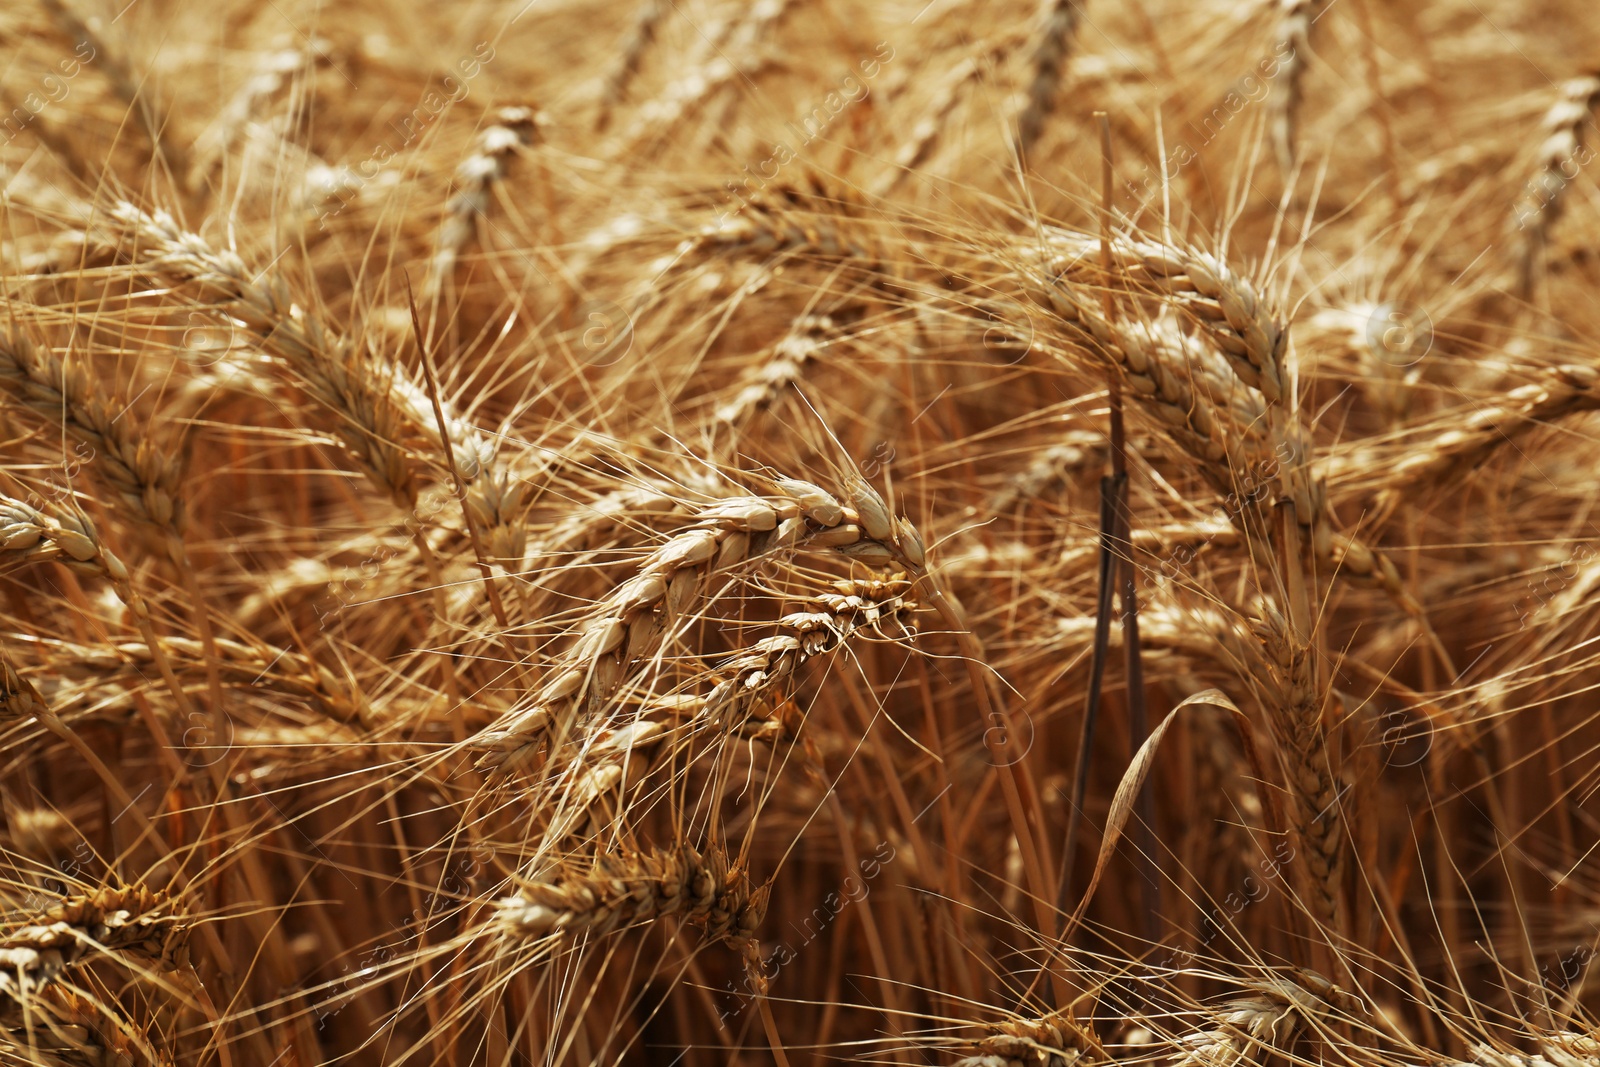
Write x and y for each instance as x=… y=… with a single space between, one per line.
x=799 y=532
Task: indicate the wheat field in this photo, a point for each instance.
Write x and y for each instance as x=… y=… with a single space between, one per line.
x=689 y=532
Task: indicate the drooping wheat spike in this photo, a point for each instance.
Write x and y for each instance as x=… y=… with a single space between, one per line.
x=1225 y=305
x=381 y=408
x=630 y=624
x=65 y=1028
x=1454 y=446
x=114 y=68
x=1060 y=19
x=1561 y=156
x=618 y=510
x=1235 y=412
x=1246 y=1029
x=284 y=750
x=884 y=606
x=65 y=150
x=1385 y=345
x=790 y=220
x=1570 y=1048
x=741 y=696
x=806 y=338
x=1054 y=1040
x=924 y=138
x=1174 y=545
x=1051 y=467
x=144 y=475
x=632 y=889
x=1187 y=385
x=630 y=54
x=19 y=700
x=375 y=419
x=512 y=129
x=744 y=51
x=134 y=923
x=33 y=533
x=1293 y=48
x=252 y=663
x=275 y=72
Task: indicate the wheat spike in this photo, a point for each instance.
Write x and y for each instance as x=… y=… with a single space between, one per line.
x=635 y=888
x=134 y=922
x=1059 y=19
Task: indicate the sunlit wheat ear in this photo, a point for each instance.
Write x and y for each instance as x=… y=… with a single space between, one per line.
x=1297 y=20
x=509 y=130
x=1197 y=395
x=1059 y=19
x=136 y=925
x=623 y=891
x=68 y=536
x=1561 y=156
x=1270 y=1017
x=1046 y=1041
x=741 y=696
x=144 y=476
x=274 y=74
x=630 y=55
x=1450 y=448
x=630 y=624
